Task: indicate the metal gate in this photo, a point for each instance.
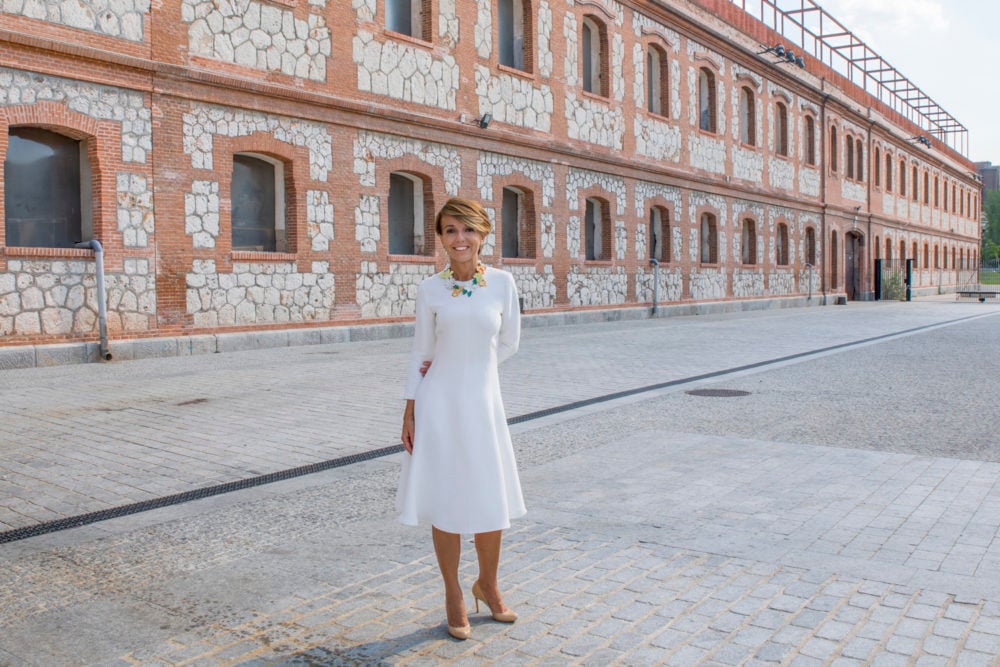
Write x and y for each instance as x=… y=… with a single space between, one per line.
x=893 y=278
x=981 y=282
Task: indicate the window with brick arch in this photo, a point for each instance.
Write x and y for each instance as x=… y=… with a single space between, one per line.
x=859 y=160
x=902 y=250
x=927 y=256
x=593 y=40
x=810 y=141
x=47 y=191
x=954 y=198
x=597 y=229
x=914 y=256
x=257 y=192
x=709 y=239
x=915 y=193
x=833 y=148
x=408 y=204
x=937 y=258
x=811 y=246
x=657 y=81
x=659 y=234
x=748 y=117
x=409 y=17
x=953 y=258
x=781 y=245
x=937 y=193
x=517 y=223
x=781 y=129
x=902 y=177
x=514 y=33
x=927 y=188
x=878 y=248
x=707 y=100
x=849 y=157
x=748 y=242
x=888 y=172
x=888 y=248
x=877 y=167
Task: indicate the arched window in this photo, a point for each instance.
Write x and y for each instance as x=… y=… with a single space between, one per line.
x=888 y=172
x=902 y=177
x=878 y=248
x=407 y=18
x=811 y=246
x=953 y=266
x=915 y=255
x=258 y=204
x=514 y=33
x=810 y=141
x=748 y=117
x=902 y=250
x=781 y=245
x=877 y=167
x=937 y=258
x=597 y=229
x=859 y=160
x=927 y=188
x=46 y=190
x=781 y=129
x=407 y=215
x=927 y=257
x=511 y=220
x=888 y=248
x=706 y=100
x=593 y=39
x=937 y=193
x=848 y=157
x=657 y=82
x=833 y=148
x=659 y=234
x=709 y=239
x=954 y=198
x=748 y=242
x=944 y=202
x=914 y=187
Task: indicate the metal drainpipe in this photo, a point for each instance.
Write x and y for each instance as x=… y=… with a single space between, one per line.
x=102 y=298
x=656 y=282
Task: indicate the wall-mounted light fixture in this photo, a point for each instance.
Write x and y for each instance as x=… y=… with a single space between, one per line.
x=482 y=123
x=922 y=140
x=785 y=56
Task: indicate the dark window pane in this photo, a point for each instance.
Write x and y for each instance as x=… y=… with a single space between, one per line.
x=505 y=16
x=253 y=204
x=510 y=216
x=398 y=17
x=42 y=189
x=401 y=215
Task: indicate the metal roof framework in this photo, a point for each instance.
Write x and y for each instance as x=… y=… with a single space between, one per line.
x=808 y=26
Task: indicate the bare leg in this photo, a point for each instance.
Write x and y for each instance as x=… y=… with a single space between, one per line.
x=488 y=551
x=448 y=547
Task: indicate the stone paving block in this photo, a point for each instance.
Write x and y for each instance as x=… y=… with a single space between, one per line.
x=984 y=643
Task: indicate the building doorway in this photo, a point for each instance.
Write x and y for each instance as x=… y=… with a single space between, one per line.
x=853 y=254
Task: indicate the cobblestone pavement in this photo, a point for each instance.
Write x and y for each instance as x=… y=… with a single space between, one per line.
x=845 y=511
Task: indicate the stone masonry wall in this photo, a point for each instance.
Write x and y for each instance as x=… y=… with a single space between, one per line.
x=124 y=19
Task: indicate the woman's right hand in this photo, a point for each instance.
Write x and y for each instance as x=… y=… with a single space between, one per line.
x=407 y=434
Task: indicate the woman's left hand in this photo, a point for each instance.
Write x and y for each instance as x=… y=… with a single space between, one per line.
x=423 y=369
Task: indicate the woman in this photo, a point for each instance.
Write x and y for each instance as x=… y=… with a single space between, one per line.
x=459 y=474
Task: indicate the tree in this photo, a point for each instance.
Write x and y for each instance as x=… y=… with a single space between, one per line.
x=992 y=210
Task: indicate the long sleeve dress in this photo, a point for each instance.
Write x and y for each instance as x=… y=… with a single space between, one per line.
x=461 y=477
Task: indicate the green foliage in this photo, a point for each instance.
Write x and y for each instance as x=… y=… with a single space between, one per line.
x=893 y=288
x=991 y=250
x=992 y=210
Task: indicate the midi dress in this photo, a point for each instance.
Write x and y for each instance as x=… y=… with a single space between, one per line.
x=461 y=476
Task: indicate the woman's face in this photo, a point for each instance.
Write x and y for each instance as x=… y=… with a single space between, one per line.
x=460 y=241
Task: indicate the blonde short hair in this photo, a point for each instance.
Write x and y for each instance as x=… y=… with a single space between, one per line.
x=467 y=211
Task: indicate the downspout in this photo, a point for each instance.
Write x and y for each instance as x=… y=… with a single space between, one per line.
x=102 y=297
x=822 y=188
x=871 y=184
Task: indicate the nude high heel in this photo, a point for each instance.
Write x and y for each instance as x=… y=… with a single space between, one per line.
x=503 y=616
x=462 y=632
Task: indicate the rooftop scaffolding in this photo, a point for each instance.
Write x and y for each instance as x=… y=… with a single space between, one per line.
x=809 y=27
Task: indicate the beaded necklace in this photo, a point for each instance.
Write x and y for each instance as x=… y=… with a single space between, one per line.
x=478 y=280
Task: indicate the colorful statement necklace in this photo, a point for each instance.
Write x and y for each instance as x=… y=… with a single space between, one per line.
x=478 y=280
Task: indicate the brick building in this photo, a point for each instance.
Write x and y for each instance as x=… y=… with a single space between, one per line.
x=256 y=165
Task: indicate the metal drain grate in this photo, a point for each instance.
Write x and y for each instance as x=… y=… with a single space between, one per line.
x=718 y=393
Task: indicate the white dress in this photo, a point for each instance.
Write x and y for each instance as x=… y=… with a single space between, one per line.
x=461 y=477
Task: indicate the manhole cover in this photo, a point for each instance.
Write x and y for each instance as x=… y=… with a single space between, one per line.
x=718 y=393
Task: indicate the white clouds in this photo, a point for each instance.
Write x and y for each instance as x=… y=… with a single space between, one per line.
x=880 y=21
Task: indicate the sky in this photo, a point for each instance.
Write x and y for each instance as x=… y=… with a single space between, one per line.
x=947 y=48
